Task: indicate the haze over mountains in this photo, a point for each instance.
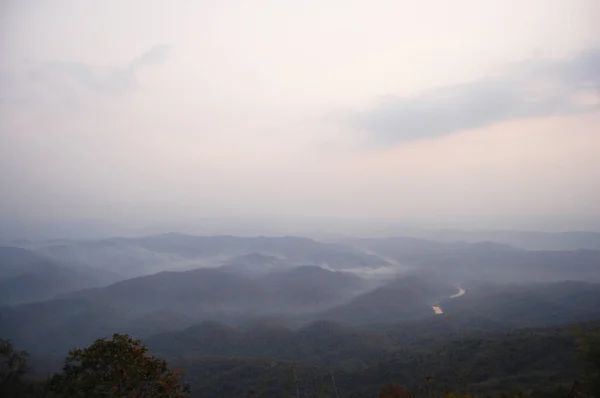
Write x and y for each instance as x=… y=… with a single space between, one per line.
x=290 y=298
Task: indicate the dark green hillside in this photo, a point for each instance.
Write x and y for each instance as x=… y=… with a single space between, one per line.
x=540 y=361
x=319 y=342
x=407 y=297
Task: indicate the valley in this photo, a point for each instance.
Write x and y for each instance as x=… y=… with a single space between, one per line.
x=303 y=303
x=438 y=310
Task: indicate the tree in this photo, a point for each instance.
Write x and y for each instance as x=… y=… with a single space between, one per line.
x=13 y=367
x=393 y=391
x=119 y=367
x=589 y=350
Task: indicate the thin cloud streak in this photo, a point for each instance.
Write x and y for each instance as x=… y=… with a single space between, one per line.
x=533 y=89
x=67 y=82
x=157 y=55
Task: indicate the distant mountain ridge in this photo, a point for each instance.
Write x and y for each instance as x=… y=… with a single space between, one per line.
x=486 y=260
x=26 y=276
x=132 y=257
x=182 y=297
x=528 y=240
x=212 y=291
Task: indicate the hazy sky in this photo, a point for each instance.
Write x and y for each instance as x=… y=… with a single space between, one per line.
x=153 y=110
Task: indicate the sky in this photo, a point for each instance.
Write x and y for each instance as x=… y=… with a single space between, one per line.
x=151 y=110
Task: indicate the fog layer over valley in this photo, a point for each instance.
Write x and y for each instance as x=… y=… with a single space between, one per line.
x=281 y=296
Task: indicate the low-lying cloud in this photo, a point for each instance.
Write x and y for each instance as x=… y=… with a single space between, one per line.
x=533 y=89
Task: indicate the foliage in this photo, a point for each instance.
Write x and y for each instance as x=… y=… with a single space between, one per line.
x=13 y=367
x=589 y=351
x=540 y=362
x=531 y=363
x=394 y=391
x=119 y=367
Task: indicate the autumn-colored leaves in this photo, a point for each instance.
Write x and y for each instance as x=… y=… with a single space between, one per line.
x=117 y=367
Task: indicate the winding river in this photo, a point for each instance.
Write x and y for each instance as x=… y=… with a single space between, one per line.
x=438 y=310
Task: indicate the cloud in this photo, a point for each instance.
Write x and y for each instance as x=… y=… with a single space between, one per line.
x=155 y=56
x=532 y=89
x=70 y=84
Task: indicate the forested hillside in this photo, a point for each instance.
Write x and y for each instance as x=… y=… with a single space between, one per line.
x=272 y=315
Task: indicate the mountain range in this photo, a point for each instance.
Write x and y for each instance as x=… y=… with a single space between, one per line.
x=364 y=308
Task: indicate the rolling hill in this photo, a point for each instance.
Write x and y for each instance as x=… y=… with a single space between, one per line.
x=26 y=276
